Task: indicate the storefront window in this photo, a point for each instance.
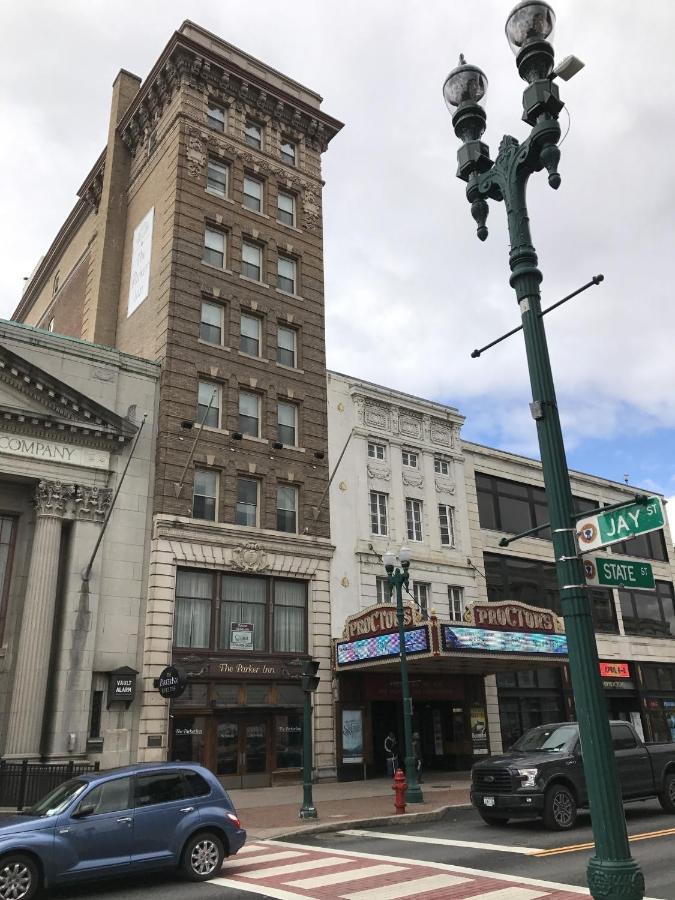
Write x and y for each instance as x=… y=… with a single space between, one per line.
x=288 y=737
x=257 y=694
x=243 y=600
x=528 y=699
x=289 y=695
x=225 y=694
x=187 y=743
x=195 y=694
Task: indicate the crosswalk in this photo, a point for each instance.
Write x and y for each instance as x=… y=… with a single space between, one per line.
x=285 y=871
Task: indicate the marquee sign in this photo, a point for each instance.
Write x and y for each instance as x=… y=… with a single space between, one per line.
x=379 y=619
x=382 y=647
x=484 y=640
x=512 y=615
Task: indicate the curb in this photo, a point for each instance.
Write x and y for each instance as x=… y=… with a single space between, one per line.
x=432 y=815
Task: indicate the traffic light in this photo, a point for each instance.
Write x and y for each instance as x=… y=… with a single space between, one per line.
x=310 y=680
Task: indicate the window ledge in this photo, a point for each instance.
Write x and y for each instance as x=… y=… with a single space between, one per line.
x=258 y=440
x=290 y=227
x=209 y=344
x=289 y=294
x=253 y=281
x=214 y=430
x=256 y=212
x=250 y=356
x=219 y=196
x=225 y=271
x=290 y=368
x=294 y=447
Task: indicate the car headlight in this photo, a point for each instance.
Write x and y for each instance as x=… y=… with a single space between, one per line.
x=528 y=777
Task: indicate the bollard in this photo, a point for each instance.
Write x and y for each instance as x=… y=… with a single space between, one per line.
x=399 y=788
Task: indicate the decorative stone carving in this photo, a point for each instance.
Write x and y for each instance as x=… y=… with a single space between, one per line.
x=311 y=209
x=73 y=501
x=410 y=426
x=382 y=474
x=51 y=497
x=196 y=158
x=91 y=503
x=441 y=434
x=249 y=557
x=413 y=479
x=445 y=487
x=376 y=416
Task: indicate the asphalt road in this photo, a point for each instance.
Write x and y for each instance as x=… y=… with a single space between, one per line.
x=521 y=849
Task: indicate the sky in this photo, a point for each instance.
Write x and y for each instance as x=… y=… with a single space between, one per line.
x=410 y=291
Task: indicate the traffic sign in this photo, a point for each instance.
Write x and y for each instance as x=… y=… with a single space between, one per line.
x=607 y=572
x=619 y=524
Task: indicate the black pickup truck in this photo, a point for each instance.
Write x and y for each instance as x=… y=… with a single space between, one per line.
x=542 y=775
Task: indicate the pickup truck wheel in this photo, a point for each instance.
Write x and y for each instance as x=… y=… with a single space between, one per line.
x=667 y=795
x=497 y=821
x=560 y=808
x=202 y=856
x=19 y=877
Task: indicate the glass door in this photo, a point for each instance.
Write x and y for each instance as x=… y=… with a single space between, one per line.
x=242 y=758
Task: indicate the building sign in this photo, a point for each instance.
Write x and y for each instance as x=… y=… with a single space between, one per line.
x=385 y=646
x=513 y=616
x=614 y=670
x=171 y=683
x=378 y=620
x=235 y=667
x=352 y=736
x=484 y=640
x=141 y=255
x=53 y=451
x=241 y=636
x=122 y=685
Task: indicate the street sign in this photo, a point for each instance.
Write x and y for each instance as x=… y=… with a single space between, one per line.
x=607 y=572
x=619 y=524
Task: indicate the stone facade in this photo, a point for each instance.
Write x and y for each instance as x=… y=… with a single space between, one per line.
x=71 y=415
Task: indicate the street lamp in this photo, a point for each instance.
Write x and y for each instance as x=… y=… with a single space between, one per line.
x=612 y=873
x=398 y=578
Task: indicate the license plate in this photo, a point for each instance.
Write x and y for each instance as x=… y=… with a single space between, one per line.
x=488 y=801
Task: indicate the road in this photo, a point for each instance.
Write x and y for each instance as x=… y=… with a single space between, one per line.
x=457 y=857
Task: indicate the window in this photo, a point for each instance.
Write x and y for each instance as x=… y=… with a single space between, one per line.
x=217 y=178
x=378 y=513
x=446 y=520
x=208 y=404
x=413 y=519
x=204 y=499
x=253 y=193
x=287 y=508
x=441 y=466
x=243 y=600
x=622 y=737
x=409 y=459
x=649 y=612
x=211 y=324
x=249 y=413
x=290 y=606
x=288 y=152
x=251 y=261
x=287 y=415
x=421 y=593
x=247 y=502
x=158 y=787
x=377 y=451
x=195 y=785
x=249 y=340
x=109 y=797
x=192 y=618
x=253 y=135
x=95 y=718
x=382 y=590
x=286 y=346
x=528 y=699
x=214 y=248
x=288 y=739
x=215 y=117
x=456 y=603
x=285 y=208
x=645 y=546
x=286 y=274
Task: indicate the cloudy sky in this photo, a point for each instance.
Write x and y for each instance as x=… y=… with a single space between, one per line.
x=410 y=291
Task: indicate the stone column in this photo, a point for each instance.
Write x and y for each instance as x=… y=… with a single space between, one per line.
x=33 y=654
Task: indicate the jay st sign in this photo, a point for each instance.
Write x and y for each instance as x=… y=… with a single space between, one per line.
x=620 y=524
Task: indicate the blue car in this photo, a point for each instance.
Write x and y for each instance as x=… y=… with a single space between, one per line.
x=137 y=818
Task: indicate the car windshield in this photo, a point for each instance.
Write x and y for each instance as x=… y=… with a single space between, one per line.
x=58 y=799
x=553 y=737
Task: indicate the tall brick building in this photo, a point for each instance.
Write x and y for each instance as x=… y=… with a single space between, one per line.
x=196 y=241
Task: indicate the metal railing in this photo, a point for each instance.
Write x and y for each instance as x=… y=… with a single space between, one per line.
x=23 y=783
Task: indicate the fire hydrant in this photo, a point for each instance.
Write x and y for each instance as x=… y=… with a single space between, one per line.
x=399 y=787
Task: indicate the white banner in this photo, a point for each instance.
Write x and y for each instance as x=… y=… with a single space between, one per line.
x=141 y=255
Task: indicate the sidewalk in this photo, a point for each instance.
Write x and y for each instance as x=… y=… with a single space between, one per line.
x=274 y=812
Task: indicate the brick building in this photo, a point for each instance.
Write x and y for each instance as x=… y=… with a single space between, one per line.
x=196 y=241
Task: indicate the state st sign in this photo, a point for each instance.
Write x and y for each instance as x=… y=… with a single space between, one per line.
x=604 y=571
x=619 y=524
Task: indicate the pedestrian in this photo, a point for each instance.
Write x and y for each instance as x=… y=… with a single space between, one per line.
x=391 y=752
x=417 y=755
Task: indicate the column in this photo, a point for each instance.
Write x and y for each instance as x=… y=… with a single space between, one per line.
x=33 y=654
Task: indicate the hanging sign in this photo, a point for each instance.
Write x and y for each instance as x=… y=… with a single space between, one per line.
x=171 y=683
x=122 y=685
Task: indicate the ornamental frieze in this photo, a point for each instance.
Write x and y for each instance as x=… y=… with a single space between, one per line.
x=72 y=501
x=413 y=479
x=249 y=557
x=378 y=473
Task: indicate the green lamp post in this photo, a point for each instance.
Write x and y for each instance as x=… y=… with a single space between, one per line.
x=612 y=873
x=397 y=579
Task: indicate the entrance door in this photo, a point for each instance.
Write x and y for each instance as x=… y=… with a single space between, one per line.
x=242 y=752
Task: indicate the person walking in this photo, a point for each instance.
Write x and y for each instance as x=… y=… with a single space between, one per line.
x=391 y=753
x=417 y=755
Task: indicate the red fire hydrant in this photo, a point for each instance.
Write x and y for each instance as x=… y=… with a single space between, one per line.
x=399 y=787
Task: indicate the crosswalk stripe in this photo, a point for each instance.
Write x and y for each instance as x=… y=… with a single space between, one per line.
x=264 y=858
x=238 y=886
x=295 y=867
x=514 y=893
x=441 y=842
x=252 y=848
x=408 y=888
x=307 y=884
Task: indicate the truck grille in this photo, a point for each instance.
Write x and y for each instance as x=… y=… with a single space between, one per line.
x=497 y=780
